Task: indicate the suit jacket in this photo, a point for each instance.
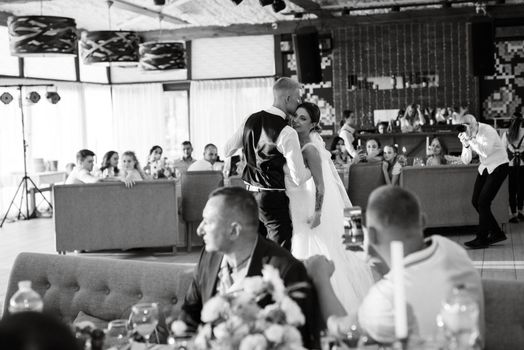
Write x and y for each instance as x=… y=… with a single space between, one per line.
x=203 y=286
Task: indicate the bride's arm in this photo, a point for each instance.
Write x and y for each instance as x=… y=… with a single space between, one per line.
x=314 y=163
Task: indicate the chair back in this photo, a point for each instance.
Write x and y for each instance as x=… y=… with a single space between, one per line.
x=363 y=179
x=196 y=187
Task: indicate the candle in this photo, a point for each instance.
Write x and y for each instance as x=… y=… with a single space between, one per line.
x=427 y=144
x=399 y=301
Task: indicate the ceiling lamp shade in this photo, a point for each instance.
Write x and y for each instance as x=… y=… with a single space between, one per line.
x=107 y=46
x=162 y=55
x=42 y=36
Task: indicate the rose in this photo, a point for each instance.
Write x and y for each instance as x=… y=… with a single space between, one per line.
x=292 y=338
x=213 y=309
x=178 y=327
x=203 y=336
x=254 y=285
x=274 y=333
x=253 y=342
x=276 y=286
x=221 y=331
x=293 y=313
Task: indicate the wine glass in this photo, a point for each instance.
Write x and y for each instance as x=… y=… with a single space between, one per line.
x=117 y=334
x=144 y=318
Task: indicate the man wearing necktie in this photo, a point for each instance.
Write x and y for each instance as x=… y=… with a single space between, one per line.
x=233 y=251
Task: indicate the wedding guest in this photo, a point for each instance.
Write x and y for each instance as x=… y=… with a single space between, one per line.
x=233 y=250
x=348 y=130
x=182 y=164
x=412 y=120
x=433 y=267
x=69 y=168
x=210 y=161
x=35 y=331
x=339 y=154
x=493 y=169
x=109 y=166
x=391 y=166
x=513 y=140
x=382 y=128
x=82 y=173
x=438 y=154
x=131 y=170
x=373 y=151
x=156 y=165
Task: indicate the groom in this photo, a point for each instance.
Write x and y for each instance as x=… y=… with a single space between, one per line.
x=268 y=144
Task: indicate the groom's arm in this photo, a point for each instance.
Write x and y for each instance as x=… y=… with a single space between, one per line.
x=235 y=142
x=289 y=146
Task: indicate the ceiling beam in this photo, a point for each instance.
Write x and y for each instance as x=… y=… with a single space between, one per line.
x=312 y=7
x=286 y=27
x=124 y=5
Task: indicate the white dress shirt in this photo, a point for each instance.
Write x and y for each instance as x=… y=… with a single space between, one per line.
x=287 y=143
x=81 y=176
x=488 y=145
x=347 y=133
x=204 y=165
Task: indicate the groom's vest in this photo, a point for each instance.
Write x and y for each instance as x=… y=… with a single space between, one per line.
x=265 y=164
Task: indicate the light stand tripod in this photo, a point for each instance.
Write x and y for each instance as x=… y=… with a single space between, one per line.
x=25 y=179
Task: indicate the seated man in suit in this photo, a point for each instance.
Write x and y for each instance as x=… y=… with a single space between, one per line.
x=234 y=250
x=433 y=266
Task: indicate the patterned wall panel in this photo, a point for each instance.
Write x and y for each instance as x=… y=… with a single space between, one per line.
x=320 y=93
x=501 y=94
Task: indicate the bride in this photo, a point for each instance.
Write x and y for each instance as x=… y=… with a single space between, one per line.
x=317 y=213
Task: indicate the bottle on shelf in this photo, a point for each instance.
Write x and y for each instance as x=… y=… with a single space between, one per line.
x=25 y=299
x=459 y=319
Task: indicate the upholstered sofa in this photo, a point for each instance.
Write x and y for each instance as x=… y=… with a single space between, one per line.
x=101 y=289
x=107 y=288
x=110 y=216
x=445 y=194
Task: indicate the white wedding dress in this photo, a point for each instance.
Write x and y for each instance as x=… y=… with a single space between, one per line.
x=352 y=277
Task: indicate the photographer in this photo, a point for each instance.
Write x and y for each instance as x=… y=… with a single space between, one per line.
x=493 y=169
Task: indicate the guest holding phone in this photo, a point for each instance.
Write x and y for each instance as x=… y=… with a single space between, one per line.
x=339 y=153
x=493 y=169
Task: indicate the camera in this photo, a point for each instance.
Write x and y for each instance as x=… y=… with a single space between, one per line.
x=353 y=237
x=462 y=128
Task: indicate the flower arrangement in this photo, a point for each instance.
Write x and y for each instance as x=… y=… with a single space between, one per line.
x=235 y=321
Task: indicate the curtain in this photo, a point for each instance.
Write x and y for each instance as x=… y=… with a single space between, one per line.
x=218 y=107
x=138 y=118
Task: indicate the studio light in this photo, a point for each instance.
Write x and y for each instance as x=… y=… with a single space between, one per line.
x=265 y=2
x=278 y=5
x=33 y=97
x=346 y=11
x=159 y=2
x=53 y=97
x=395 y=8
x=6 y=98
x=42 y=36
x=162 y=55
x=237 y=2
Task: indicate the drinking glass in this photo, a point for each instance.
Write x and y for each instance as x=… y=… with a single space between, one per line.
x=144 y=318
x=418 y=161
x=117 y=334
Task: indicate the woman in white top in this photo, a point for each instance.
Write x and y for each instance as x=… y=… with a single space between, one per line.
x=391 y=166
x=438 y=154
x=131 y=169
x=513 y=139
x=317 y=213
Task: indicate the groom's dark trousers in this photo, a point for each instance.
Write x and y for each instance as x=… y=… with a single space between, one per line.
x=273 y=214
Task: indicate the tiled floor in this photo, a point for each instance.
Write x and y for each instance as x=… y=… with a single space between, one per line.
x=501 y=261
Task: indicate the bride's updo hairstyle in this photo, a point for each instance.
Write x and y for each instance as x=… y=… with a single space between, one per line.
x=314 y=113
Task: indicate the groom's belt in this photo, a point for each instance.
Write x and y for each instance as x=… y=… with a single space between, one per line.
x=252 y=188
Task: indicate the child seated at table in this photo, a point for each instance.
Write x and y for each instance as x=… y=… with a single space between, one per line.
x=391 y=166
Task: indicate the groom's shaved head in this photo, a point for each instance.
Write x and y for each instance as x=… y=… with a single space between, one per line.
x=285 y=87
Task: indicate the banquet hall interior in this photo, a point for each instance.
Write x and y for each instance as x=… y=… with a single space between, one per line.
x=126 y=75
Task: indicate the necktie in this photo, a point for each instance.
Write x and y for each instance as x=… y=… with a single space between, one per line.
x=226 y=280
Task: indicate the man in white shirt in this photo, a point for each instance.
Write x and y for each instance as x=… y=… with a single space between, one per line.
x=433 y=267
x=209 y=163
x=268 y=144
x=493 y=169
x=81 y=174
x=347 y=132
